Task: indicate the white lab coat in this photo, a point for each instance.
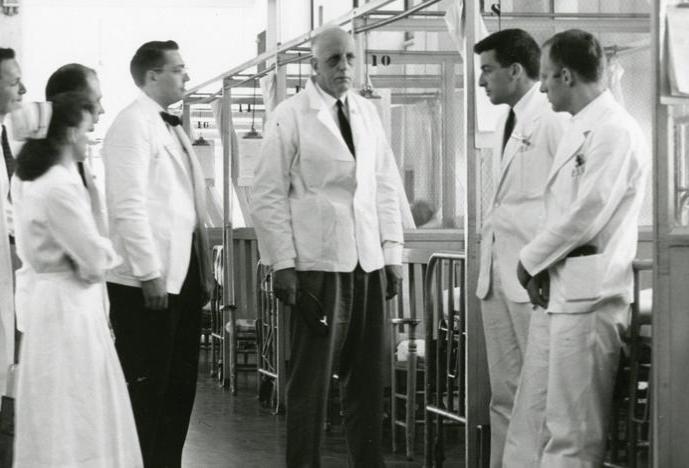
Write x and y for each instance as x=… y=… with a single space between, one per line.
x=593 y=197
x=313 y=205
x=6 y=280
x=72 y=403
x=520 y=175
x=149 y=179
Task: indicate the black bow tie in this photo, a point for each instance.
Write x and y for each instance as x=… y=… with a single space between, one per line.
x=170 y=119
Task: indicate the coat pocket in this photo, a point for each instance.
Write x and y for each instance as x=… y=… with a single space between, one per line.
x=311 y=223
x=581 y=278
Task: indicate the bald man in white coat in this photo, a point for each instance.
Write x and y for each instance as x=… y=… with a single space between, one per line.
x=326 y=210
x=585 y=250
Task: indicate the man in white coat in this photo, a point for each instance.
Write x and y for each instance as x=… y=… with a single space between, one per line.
x=586 y=248
x=11 y=91
x=326 y=210
x=155 y=194
x=526 y=140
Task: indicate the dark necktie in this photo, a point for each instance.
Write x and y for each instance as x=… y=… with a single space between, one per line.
x=345 y=129
x=170 y=119
x=10 y=163
x=509 y=127
x=82 y=174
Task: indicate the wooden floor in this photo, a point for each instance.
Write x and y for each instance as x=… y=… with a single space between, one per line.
x=229 y=431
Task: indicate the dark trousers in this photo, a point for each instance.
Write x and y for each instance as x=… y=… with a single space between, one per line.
x=159 y=353
x=353 y=348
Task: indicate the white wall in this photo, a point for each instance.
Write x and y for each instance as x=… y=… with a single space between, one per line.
x=213 y=35
x=10 y=32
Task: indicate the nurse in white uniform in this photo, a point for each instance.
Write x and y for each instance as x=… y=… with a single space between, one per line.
x=72 y=404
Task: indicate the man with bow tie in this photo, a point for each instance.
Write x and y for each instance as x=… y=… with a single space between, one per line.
x=155 y=192
x=327 y=218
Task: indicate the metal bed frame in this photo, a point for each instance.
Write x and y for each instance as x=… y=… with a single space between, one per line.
x=446 y=396
x=271 y=343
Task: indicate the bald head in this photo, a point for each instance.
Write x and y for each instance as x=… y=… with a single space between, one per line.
x=333 y=61
x=328 y=37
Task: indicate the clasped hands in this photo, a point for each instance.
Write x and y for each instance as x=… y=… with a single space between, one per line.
x=285 y=283
x=538 y=286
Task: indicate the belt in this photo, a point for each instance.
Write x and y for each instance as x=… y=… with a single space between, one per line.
x=583 y=251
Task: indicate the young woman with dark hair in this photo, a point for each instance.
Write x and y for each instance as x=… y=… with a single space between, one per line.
x=72 y=405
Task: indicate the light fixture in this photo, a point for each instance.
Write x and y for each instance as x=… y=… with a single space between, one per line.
x=253 y=134
x=367 y=90
x=10 y=7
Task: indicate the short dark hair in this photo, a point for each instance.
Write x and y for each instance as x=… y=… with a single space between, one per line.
x=149 y=56
x=6 y=54
x=70 y=77
x=39 y=155
x=579 y=51
x=513 y=46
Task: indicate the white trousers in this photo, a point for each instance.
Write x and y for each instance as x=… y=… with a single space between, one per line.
x=506 y=328
x=563 y=404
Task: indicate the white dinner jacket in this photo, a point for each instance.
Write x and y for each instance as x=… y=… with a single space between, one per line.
x=313 y=205
x=516 y=211
x=593 y=197
x=148 y=229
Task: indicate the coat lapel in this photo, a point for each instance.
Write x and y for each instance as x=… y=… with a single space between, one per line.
x=504 y=162
x=566 y=151
x=166 y=139
x=356 y=122
x=326 y=119
x=575 y=136
x=202 y=244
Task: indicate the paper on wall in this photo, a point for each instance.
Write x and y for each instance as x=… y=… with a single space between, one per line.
x=678 y=49
x=487 y=114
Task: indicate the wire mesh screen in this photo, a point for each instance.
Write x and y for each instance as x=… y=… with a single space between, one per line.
x=421 y=72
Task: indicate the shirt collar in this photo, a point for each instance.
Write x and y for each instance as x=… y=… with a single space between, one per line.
x=522 y=105
x=146 y=99
x=327 y=98
x=590 y=110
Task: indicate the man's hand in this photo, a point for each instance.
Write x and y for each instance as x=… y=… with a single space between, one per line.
x=522 y=275
x=539 y=289
x=285 y=285
x=155 y=294
x=393 y=280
